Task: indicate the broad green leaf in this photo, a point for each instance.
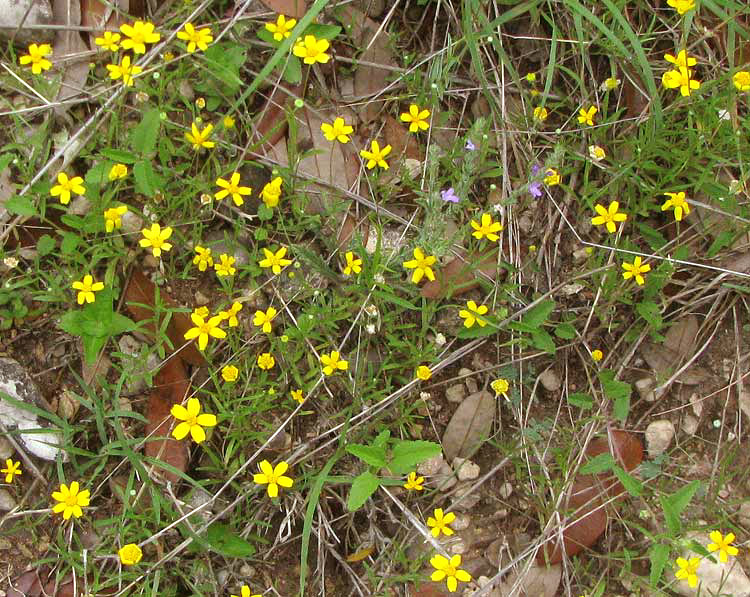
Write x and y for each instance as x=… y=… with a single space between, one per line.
x=598 y=464
x=321 y=31
x=120 y=324
x=144 y=135
x=372 y=455
x=659 y=555
x=651 y=312
x=537 y=315
x=45 y=245
x=618 y=392
x=70 y=242
x=477 y=331
x=222 y=539
x=91 y=347
x=566 y=331
x=673 y=506
x=119 y=155
x=293 y=71
x=382 y=438
x=632 y=485
x=543 y=341
x=73 y=322
x=580 y=400
x=147 y=181
x=392 y=298
x=363 y=487
x=22 y=206
x=407 y=454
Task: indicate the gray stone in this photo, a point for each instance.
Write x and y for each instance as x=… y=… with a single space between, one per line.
x=465 y=469
x=645 y=388
x=221 y=246
x=430 y=467
x=716 y=578
x=15 y=14
x=132 y=223
x=690 y=424
x=469 y=494
x=506 y=489
x=744 y=402
x=550 y=380
x=659 y=435
x=455 y=393
x=744 y=514
x=79 y=206
x=6 y=449
x=7 y=501
x=445 y=478
x=468 y=376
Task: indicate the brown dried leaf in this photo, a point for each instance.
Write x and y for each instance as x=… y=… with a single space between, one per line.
x=289 y=8
x=70 y=48
x=679 y=344
x=535 y=581
x=460 y=275
x=272 y=125
x=403 y=144
x=469 y=426
x=348 y=227
x=627 y=451
x=101 y=15
x=171 y=387
x=142 y=291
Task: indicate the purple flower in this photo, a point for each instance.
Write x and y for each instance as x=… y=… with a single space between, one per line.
x=469 y=145
x=449 y=195
x=535 y=169
x=535 y=188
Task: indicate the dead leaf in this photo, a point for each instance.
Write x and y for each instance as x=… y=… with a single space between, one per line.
x=171 y=387
x=469 y=426
x=680 y=343
x=70 y=51
x=42 y=582
x=460 y=275
x=289 y=8
x=272 y=124
x=348 y=227
x=140 y=298
x=368 y=80
x=24 y=21
x=360 y=555
x=534 y=581
x=101 y=15
x=403 y=144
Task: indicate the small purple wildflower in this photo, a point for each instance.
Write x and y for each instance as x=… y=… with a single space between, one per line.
x=469 y=145
x=535 y=188
x=449 y=195
x=535 y=169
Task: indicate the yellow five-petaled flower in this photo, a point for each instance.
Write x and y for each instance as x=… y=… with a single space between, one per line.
x=587 y=116
x=196 y=38
x=263 y=319
x=70 y=500
x=271 y=192
x=635 y=270
x=681 y=78
x=125 y=69
x=449 y=570
x=113 y=217
x=679 y=203
x=156 y=238
x=204 y=329
x=231 y=314
x=682 y=6
x=36 y=57
x=439 y=522
x=353 y=264
x=723 y=545
x=424 y=372
x=274 y=260
x=487 y=228
x=11 y=470
x=422 y=266
x=416 y=118
x=86 y=289
x=376 y=156
x=500 y=387
x=200 y=138
x=138 y=35
x=230 y=373
x=333 y=362
x=312 y=50
x=282 y=28
x=108 y=41
x=472 y=314
x=688 y=570
x=337 y=131
x=203 y=258
x=266 y=361
x=741 y=80
x=273 y=477
x=608 y=216
x=232 y=187
x=413 y=482
x=65 y=186
x=191 y=421
x=130 y=554
x=225 y=266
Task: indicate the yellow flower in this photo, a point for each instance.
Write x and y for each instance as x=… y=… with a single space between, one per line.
x=338 y=131
x=273 y=477
x=672 y=79
x=722 y=545
x=203 y=329
x=540 y=113
x=635 y=270
x=271 y=192
x=332 y=363
x=449 y=570
x=551 y=177
x=530 y=77
x=282 y=28
x=741 y=80
x=440 y=522
x=86 y=289
x=200 y=138
x=266 y=361
x=199 y=38
x=226 y=266
x=682 y=6
x=200 y=103
x=231 y=314
x=65 y=186
x=487 y=228
x=587 y=116
x=228 y=122
x=232 y=187
x=36 y=57
x=471 y=314
x=275 y=260
x=376 y=156
x=298 y=396
x=263 y=319
x=245 y=592
x=71 y=500
x=138 y=35
x=611 y=83
x=688 y=570
x=422 y=266
x=413 y=482
x=11 y=470
x=416 y=118
x=597 y=153
x=597 y=355
x=679 y=203
x=424 y=372
x=108 y=41
x=230 y=373
x=608 y=216
x=500 y=386
x=130 y=554
x=118 y=171
x=191 y=421
x=352 y=264
x=202 y=312
x=156 y=238
x=312 y=50
x=124 y=70
x=203 y=258
x=682 y=59
x=113 y=217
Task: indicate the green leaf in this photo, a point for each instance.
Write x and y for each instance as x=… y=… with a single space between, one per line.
x=22 y=206
x=659 y=555
x=477 y=331
x=651 y=312
x=222 y=539
x=120 y=324
x=618 y=392
x=372 y=455
x=98 y=175
x=580 y=400
x=91 y=347
x=653 y=237
x=73 y=322
x=70 y=242
x=144 y=135
x=566 y=331
x=407 y=454
x=265 y=213
x=293 y=71
x=392 y=298
x=147 y=181
x=45 y=245
x=224 y=60
x=537 y=315
x=382 y=438
x=632 y=485
x=543 y=341
x=266 y=36
x=119 y=155
x=363 y=487
x=321 y=31
x=598 y=464
x=673 y=506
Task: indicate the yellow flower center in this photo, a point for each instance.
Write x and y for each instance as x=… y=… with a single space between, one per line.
x=71 y=500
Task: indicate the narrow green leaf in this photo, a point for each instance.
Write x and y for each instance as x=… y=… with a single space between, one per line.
x=659 y=555
x=617 y=391
x=222 y=539
x=632 y=485
x=144 y=135
x=119 y=155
